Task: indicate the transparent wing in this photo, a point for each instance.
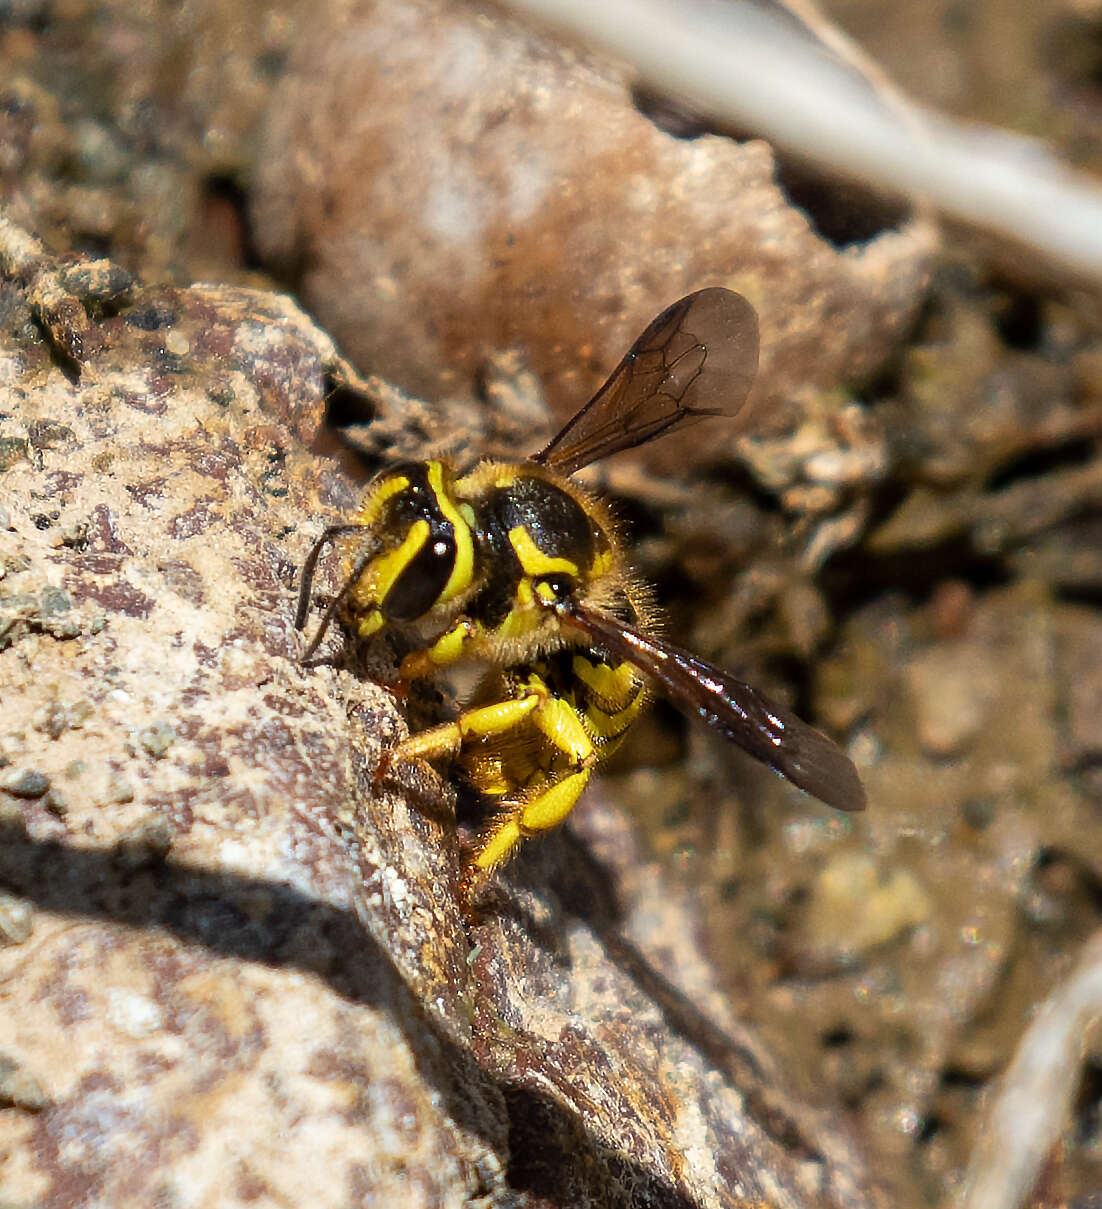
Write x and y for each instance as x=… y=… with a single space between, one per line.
x=697 y=359
x=768 y=732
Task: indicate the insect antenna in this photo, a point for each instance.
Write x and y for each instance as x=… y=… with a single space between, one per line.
x=309 y=567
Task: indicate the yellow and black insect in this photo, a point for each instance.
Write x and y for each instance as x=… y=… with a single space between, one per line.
x=514 y=564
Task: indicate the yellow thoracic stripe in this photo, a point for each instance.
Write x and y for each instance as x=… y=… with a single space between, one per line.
x=602 y=563
x=533 y=561
x=387 y=567
x=463 y=570
x=520 y=619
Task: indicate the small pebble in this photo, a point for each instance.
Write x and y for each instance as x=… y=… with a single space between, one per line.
x=18 y=1089
x=27 y=784
x=148 y=843
x=16 y=919
x=177 y=343
x=53 y=720
x=953 y=688
x=119 y=790
x=55 y=804
x=856 y=905
x=157 y=739
x=75 y=536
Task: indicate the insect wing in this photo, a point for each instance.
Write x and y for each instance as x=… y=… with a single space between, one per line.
x=697 y=359
x=768 y=732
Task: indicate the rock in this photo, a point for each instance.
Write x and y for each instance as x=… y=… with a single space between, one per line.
x=244 y=938
x=457 y=184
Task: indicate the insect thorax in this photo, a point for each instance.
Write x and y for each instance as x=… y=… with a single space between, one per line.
x=539 y=540
x=496 y=546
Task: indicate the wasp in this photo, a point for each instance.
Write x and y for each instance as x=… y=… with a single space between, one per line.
x=517 y=565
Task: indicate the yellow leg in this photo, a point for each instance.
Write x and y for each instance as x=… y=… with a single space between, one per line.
x=450 y=647
x=521 y=819
x=447 y=739
x=559 y=723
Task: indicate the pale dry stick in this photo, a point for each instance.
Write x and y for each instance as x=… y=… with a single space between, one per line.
x=847 y=51
x=1032 y=1103
x=740 y=65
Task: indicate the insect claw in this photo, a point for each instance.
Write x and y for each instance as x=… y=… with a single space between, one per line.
x=472 y=886
x=382 y=768
x=401 y=688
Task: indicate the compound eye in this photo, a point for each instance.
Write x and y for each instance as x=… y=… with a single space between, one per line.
x=555 y=587
x=421 y=581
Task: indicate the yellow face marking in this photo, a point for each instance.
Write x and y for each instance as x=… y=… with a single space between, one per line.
x=385 y=570
x=463 y=570
x=378 y=496
x=518 y=621
x=533 y=561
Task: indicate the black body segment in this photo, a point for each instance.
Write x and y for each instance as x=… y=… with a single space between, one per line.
x=554 y=520
x=501 y=571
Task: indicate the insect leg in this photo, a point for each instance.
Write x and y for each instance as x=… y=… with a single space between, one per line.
x=448 y=738
x=518 y=820
x=450 y=647
x=560 y=724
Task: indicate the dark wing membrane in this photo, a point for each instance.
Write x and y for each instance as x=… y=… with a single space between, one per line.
x=769 y=733
x=697 y=359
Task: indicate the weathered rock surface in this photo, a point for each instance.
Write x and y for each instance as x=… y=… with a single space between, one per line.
x=234 y=970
